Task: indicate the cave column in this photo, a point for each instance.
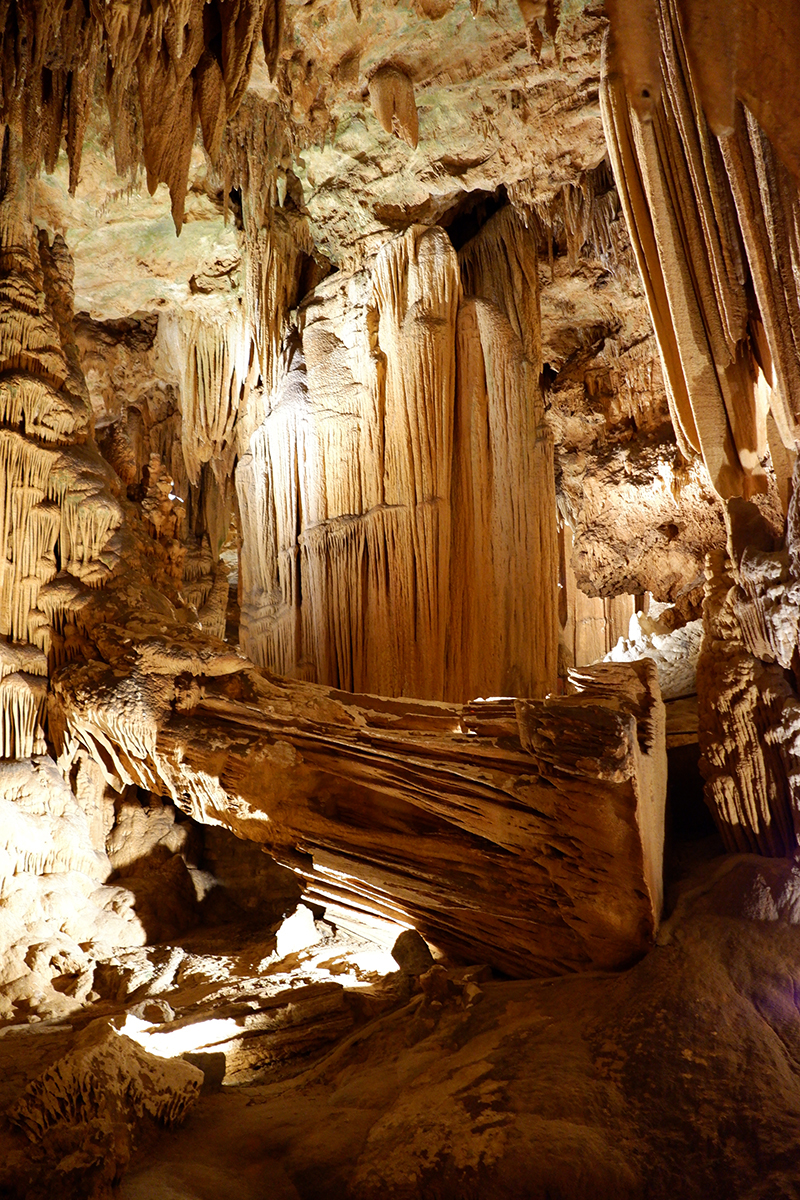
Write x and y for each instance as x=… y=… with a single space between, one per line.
x=58 y=514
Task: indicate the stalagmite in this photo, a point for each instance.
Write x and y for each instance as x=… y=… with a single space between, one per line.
x=44 y=830
x=589 y=626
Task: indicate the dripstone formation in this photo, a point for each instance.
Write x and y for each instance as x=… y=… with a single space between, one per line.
x=399 y=599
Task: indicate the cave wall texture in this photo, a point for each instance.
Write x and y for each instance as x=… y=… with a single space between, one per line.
x=399 y=414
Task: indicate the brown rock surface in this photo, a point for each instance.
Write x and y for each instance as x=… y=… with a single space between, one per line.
x=579 y=1088
x=361 y=795
x=474 y=337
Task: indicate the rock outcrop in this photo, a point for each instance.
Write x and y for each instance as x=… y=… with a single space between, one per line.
x=747 y=687
x=472 y=823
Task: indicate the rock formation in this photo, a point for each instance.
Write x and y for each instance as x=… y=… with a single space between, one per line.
x=394 y=462
x=352 y=543
x=362 y=795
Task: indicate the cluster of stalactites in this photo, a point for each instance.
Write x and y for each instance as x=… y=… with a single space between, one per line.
x=213 y=357
x=275 y=253
x=167 y=63
x=712 y=206
x=580 y=215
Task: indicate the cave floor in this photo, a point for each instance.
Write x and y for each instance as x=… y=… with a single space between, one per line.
x=675 y=1078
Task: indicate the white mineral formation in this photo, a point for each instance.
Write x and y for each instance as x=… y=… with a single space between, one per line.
x=674 y=651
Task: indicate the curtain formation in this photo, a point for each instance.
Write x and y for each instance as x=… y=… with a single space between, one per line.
x=713 y=220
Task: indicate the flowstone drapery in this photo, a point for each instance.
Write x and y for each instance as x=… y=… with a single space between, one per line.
x=398 y=502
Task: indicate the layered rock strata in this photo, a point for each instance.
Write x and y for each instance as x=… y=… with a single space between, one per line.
x=494 y=828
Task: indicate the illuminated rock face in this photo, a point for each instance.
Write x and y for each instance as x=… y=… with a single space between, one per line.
x=308 y=520
x=398 y=497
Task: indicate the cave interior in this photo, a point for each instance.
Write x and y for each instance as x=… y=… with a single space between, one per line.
x=399 y=600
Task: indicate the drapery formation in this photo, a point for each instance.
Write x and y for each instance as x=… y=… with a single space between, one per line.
x=58 y=511
x=398 y=506
x=713 y=224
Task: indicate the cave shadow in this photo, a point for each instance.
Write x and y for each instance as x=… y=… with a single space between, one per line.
x=690 y=834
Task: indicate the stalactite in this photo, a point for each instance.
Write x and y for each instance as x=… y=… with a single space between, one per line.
x=42 y=411
x=391 y=93
x=274 y=253
x=768 y=206
x=198 y=574
x=268 y=485
x=166 y=65
x=581 y=215
x=213 y=360
x=683 y=227
x=725 y=46
x=58 y=512
x=677 y=181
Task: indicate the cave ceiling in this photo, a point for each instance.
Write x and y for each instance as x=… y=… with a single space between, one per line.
x=508 y=112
